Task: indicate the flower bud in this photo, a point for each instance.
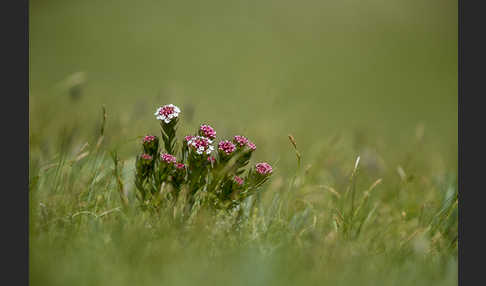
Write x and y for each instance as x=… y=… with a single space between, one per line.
x=150 y=144
x=263 y=169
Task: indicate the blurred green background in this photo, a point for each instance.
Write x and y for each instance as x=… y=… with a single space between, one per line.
x=264 y=68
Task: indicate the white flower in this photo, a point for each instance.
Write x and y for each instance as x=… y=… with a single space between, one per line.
x=167 y=112
x=200 y=144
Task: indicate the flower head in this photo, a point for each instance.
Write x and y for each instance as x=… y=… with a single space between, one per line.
x=200 y=144
x=238 y=180
x=180 y=166
x=240 y=140
x=148 y=139
x=146 y=157
x=227 y=147
x=211 y=159
x=188 y=137
x=263 y=168
x=207 y=131
x=167 y=112
x=150 y=144
x=168 y=158
x=251 y=145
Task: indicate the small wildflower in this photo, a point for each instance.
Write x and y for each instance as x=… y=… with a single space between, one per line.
x=167 y=112
x=251 y=145
x=238 y=180
x=168 y=158
x=148 y=139
x=227 y=147
x=180 y=166
x=211 y=159
x=188 y=137
x=201 y=145
x=240 y=140
x=207 y=131
x=263 y=168
x=146 y=157
x=150 y=144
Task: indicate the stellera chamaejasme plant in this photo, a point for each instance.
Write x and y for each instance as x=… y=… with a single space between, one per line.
x=200 y=172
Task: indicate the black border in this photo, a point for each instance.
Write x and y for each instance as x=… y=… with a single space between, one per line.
x=471 y=111
x=15 y=135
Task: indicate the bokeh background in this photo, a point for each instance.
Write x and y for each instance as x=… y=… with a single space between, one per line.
x=264 y=68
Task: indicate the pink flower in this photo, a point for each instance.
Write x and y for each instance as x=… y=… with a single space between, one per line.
x=148 y=139
x=168 y=158
x=211 y=159
x=188 y=137
x=200 y=144
x=167 y=112
x=251 y=145
x=240 y=140
x=146 y=157
x=227 y=147
x=180 y=166
x=238 y=180
x=263 y=168
x=207 y=131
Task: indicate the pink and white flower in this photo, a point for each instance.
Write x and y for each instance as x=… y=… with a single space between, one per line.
x=188 y=137
x=180 y=166
x=263 y=168
x=207 y=131
x=200 y=144
x=227 y=147
x=167 y=112
x=251 y=145
x=168 y=158
x=240 y=140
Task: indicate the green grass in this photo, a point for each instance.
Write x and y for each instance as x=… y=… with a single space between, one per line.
x=346 y=79
x=323 y=224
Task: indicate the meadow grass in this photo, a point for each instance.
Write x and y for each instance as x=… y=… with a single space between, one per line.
x=331 y=219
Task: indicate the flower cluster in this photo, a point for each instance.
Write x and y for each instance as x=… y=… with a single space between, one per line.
x=188 y=137
x=207 y=131
x=150 y=144
x=242 y=141
x=223 y=179
x=201 y=145
x=149 y=138
x=227 y=147
x=167 y=112
x=146 y=157
x=251 y=145
x=168 y=158
x=263 y=168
